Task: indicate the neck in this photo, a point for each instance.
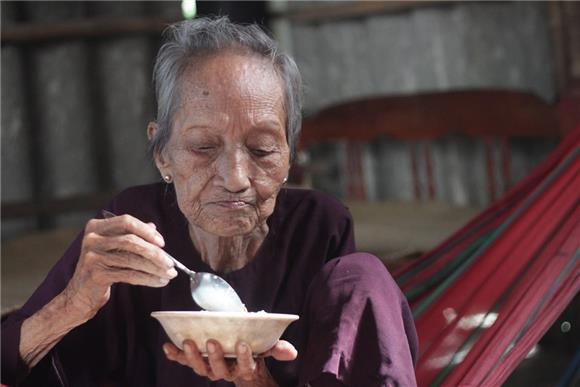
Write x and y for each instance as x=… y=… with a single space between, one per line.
x=226 y=254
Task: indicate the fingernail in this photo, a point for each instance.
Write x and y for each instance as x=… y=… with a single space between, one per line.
x=172 y=273
x=243 y=348
x=159 y=240
x=166 y=351
x=163 y=281
x=187 y=349
x=210 y=347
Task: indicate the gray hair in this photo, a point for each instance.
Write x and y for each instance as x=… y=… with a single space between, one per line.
x=203 y=37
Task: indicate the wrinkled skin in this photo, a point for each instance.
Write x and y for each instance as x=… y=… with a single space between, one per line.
x=118 y=250
x=227 y=153
x=228 y=158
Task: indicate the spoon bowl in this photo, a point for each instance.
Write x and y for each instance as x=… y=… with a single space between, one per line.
x=211 y=292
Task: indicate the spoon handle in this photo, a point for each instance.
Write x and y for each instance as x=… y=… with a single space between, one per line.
x=179 y=265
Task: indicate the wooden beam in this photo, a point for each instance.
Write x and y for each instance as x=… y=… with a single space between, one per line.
x=100 y=143
x=336 y=11
x=28 y=33
x=559 y=45
x=39 y=182
x=52 y=207
x=433 y=115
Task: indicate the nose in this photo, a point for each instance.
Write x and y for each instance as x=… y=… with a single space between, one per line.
x=233 y=171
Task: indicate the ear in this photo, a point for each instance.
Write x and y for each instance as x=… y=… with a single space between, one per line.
x=152 y=128
x=160 y=159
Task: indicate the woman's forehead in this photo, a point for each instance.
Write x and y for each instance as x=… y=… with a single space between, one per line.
x=231 y=85
x=231 y=75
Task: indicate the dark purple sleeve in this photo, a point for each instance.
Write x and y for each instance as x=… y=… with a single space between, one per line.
x=360 y=327
x=13 y=368
x=101 y=334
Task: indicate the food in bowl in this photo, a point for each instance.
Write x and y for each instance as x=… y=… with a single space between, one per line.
x=259 y=330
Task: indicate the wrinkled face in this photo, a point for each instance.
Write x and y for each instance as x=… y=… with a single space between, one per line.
x=227 y=154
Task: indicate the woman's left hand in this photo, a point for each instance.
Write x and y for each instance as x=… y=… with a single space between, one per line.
x=245 y=370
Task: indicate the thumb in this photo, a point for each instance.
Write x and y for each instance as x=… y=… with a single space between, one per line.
x=282 y=351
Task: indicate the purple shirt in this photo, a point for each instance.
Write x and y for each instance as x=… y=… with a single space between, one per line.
x=122 y=343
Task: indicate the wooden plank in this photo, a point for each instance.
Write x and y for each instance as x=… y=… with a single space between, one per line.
x=100 y=136
x=432 y=115
x=52 y=207
x=29 y=33
x=328 y=12
x=559 y=42
x=38 y=179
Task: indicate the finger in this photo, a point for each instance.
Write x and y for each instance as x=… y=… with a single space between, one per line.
x=245 y=366
x=133 y=252
x=216 y=360
x=126 y=224
x=132 y=277
x=174 y=354
x=123 y=252
x=95 y=268
x=101 y=269
x=282 y=351
x=128 y=261
x=194 y=358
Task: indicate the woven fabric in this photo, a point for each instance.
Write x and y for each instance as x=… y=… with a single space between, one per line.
x=484 y=297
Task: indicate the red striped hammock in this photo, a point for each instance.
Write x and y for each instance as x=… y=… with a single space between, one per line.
x=485 y=296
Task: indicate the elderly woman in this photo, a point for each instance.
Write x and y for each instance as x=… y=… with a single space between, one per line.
x=227 y=126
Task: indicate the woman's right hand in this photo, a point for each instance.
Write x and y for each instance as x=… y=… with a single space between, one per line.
x=120 y=249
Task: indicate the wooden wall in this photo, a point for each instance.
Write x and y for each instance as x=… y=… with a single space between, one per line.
x=76 y=93
x=421 y=48
x=359 y=50
x=76 y=99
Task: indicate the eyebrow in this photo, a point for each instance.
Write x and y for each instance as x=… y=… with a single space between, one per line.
x=274 y=124
x=257 y=131
x=272 y=128
x=199 y=127
x=263 y=126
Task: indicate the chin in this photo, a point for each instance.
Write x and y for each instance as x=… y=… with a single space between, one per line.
x=231 y=227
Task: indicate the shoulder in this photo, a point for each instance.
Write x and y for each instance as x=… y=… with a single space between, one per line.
x=311 y=199
x=314 y=205
x=138 y=191
x=145 y=201
x=315 y=225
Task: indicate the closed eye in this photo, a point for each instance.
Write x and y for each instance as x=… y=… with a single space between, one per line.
x=202 y=149
x=262 y=152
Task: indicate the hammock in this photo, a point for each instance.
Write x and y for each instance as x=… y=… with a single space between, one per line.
x=485 y=296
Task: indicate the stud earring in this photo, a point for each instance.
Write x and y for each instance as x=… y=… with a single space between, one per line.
x=285 y=180
x=167 y=178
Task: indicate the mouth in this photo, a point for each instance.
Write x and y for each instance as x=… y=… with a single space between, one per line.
x=233 y=204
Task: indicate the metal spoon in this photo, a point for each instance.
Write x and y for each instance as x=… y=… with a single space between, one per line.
x=209 y=291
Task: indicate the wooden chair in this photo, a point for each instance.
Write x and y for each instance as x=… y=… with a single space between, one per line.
x=494 y=120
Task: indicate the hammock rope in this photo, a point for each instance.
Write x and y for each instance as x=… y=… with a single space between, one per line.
x=486 y=295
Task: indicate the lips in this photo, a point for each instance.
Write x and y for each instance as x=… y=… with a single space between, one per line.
x=233 y=204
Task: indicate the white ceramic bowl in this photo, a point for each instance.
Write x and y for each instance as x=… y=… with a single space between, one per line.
x=259 y=330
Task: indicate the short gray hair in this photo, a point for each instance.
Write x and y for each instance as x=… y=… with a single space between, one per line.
x=203 y=37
